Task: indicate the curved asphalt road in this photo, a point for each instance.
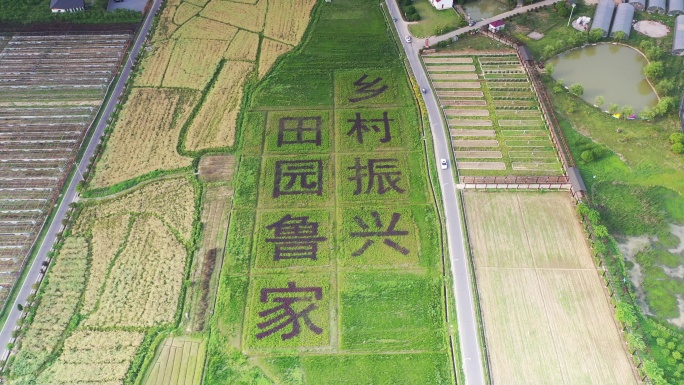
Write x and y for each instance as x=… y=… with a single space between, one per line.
x=471 y=354
x=70 y=194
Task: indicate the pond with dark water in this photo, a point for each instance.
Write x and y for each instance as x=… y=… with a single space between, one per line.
x=611 y=70
x=484 y=9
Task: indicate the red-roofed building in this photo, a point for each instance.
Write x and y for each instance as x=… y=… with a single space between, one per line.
x=496 y=26
x=442 y=4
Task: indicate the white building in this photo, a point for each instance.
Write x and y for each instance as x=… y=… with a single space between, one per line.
x=442 y=4
x=67 y=5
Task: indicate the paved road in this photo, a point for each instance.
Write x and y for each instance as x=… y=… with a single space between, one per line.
x=460 y=264
x=70 y=195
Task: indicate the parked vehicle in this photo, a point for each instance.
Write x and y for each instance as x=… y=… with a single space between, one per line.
x=443 y=163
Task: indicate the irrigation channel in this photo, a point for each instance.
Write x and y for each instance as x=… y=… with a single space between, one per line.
x=610 y=70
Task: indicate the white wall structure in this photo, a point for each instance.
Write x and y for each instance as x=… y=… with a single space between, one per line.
x=442 y=4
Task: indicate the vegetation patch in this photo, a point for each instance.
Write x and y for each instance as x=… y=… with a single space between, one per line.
x=332 y=247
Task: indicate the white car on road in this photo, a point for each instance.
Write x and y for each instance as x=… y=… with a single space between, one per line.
x=408 y=39
x=443 y=164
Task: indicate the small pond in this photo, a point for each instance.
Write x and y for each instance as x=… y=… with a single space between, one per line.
x=614 y=71
x=484 y=9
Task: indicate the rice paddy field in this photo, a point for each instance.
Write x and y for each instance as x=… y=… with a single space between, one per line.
x=179 y=361
x=546 y=314
x=190 y=89
x=494 y=119
x=51 y=87
x=142 y=253
x=339 y=279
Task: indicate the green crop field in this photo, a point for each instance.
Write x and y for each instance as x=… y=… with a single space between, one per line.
x=178 y=361
x=494 y=118
x=332 y=273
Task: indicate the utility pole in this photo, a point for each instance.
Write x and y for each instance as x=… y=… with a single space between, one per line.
x=571 y=11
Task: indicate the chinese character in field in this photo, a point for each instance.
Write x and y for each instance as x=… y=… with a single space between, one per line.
x=360 y=127
x=382 y=173
x=366 y=89
x=283 y=313
x=299 y=130
x=296 y=177
x=369 y=235
x=295 y=237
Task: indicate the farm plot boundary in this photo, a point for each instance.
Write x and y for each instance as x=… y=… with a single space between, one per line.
x=494 y=93
x=554 y=324
x=48 y=100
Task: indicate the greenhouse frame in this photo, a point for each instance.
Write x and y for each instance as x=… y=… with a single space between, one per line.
x=675 y=7
x=639 y=5
x=656 y=6
x=623 y=19
x=603 y=16
x=678 y=41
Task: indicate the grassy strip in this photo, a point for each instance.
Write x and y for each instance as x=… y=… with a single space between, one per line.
x=474 y=289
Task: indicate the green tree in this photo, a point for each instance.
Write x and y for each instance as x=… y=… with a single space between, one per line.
x=562 y=9
x=549 y=50
x=627 y=111
x=635 y=342
x=654 y=53
x=600 y=231
x=624 y=312
x=654 y=70
x=647 y=114
x=619 y=35
x=587 y=156
x=677 y=137
x=598 y=152
x=654 y=372
x=665 y=86
x=576 y=89
x=599 y=100
x=595 y=35
x=677 y=148
x=549 y=69
x=614 y=108
x=664 y=106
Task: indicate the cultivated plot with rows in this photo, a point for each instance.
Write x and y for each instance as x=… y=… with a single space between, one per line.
x=493 y=115
x=547 y=317
x=51 y=87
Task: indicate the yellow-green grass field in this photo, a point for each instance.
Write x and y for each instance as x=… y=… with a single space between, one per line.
x=547 y=319
x=433 y=21
x=179 y=361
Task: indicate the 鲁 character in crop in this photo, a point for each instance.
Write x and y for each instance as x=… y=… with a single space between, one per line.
x=366 y=89
x=297 y=177
x=299 y=130
x=381 y=173
x=295 y=238
x=283 y=314
x=360 y=127
x=386 y=234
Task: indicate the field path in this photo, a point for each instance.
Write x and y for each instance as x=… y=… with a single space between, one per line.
x=70 y=195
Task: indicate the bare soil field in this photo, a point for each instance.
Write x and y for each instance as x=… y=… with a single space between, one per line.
x=546 y=317
x=51 y=87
